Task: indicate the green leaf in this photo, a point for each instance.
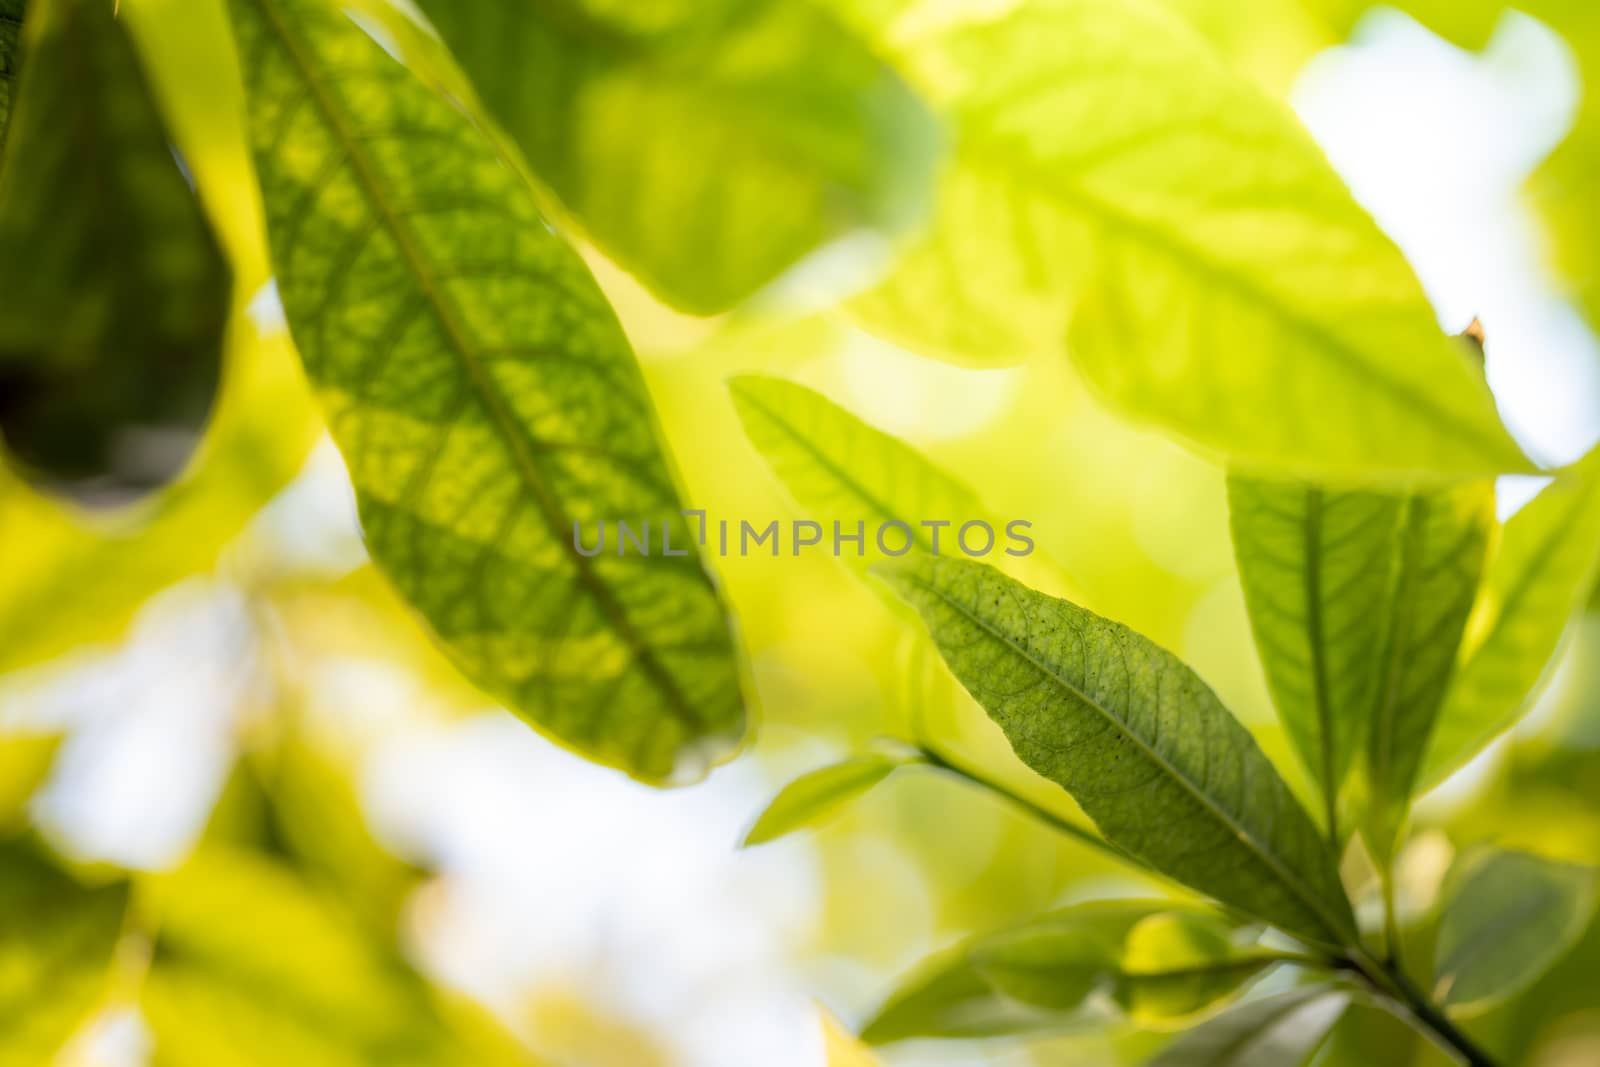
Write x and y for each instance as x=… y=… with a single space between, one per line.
x=765 y=129
x=117 y=292
x=485 y=400
x=1178 y=964
x=1443 y=539
x=1220 y=280
x=1536 y=581
x=25 y=762
x=839 y=469
x=1315 y=566
x=11 y=12
x=1136 y=737
x=814 y=796
x=56 y=944
x=1505 y=918
x=306 y=982
x=1278 y=1031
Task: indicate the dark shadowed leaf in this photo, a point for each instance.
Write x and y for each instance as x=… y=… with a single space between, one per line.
x=1138 y=740
x=1505 y=918
x=811 y=798
x=1537 y=579
x=117 y=293
x=11 y=12
x=705 y=152
x=485 y=400
x=1278 y=1031
x=56 y=943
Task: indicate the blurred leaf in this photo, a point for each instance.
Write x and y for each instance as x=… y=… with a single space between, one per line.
x=765 y=128
x=1278 y=1031
x=1227 y=286
x=11 y=12
x=840 y=1049
x=1136 y=737
x=1537 y=579
x=1180 y=963
x=57 y=939
x=1443 y=539
x=811 y=798
x=1315 y=566
x=299 y=982
x=839 y=469
x=1505 y=918
x=25 y=762
x=117 y=291
x=485 y=399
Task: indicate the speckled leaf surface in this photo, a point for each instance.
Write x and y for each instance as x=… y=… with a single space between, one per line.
x=485 y=400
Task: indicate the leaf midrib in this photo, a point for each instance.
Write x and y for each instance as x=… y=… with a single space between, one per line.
x=642 y=655
x=1284 y=875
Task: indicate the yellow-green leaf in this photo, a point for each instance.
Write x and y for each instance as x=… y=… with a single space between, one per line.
x=57 y=938
x=1220 y=280
x=1137 y=738
x=485 y=400
x=1505 y=918
x=1284 y=1030
x=117 y=291
x=812 y=797
x=706 y=152
x=25 y=762
x=1537 y=579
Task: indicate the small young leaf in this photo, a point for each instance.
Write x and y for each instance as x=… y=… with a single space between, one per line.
x=1138 y=740
x=1278 y=1031
x=486 y=402
x=56 y=943
x=117 y=292
x=1505 y=918
x=811 y=798
x=1220 y=279
x=1536 y=581
x=1315 y=566
x=756 y=151
x=1443 y=538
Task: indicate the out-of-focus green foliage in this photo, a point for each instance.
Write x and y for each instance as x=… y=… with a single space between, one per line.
x=706 y=152
x=117 y=292
x=1505 y=918
x=1138 y=740
x=10 y=36
x=56 y=941
x=812 y=797
x=486 y=401
x=1282 y=1031
x=25 y=761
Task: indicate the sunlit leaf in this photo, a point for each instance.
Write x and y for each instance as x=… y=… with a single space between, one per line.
x=1538 y=577
x=1278 y=1031
x=765 y=130
x=117 y=292
x=1443 y=538
x=811 y=798
x=56 y=943
x=1220 y=280
x=1505 y=918
x=485 y=401
x=1136 y=737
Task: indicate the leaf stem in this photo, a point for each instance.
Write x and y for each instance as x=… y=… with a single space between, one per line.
x=1389 y=981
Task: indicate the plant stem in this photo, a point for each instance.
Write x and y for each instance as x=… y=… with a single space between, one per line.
x=1391 y=982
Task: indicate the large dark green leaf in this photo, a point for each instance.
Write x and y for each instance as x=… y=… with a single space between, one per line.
x=1278 y=1031
x=117 y=293
x=485 y=399
x=1137 y=738
x=706 y=152
x=1541 y=571
x=1505 y=918
x=56 y=943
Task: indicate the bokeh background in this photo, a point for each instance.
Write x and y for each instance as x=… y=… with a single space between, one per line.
x=222 y=668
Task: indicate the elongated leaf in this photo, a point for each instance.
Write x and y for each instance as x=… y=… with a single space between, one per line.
x=1505 y=918
x=1316 y=566
x=1536 y=581
x=1278 y=1031
x=812 y=797
x=56 y=943
x=117 y=292
x=1137 y=738
x=485 y=400
x=1443 y=539
x=1222 y=282
x=709 y=154
x=839 y=469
